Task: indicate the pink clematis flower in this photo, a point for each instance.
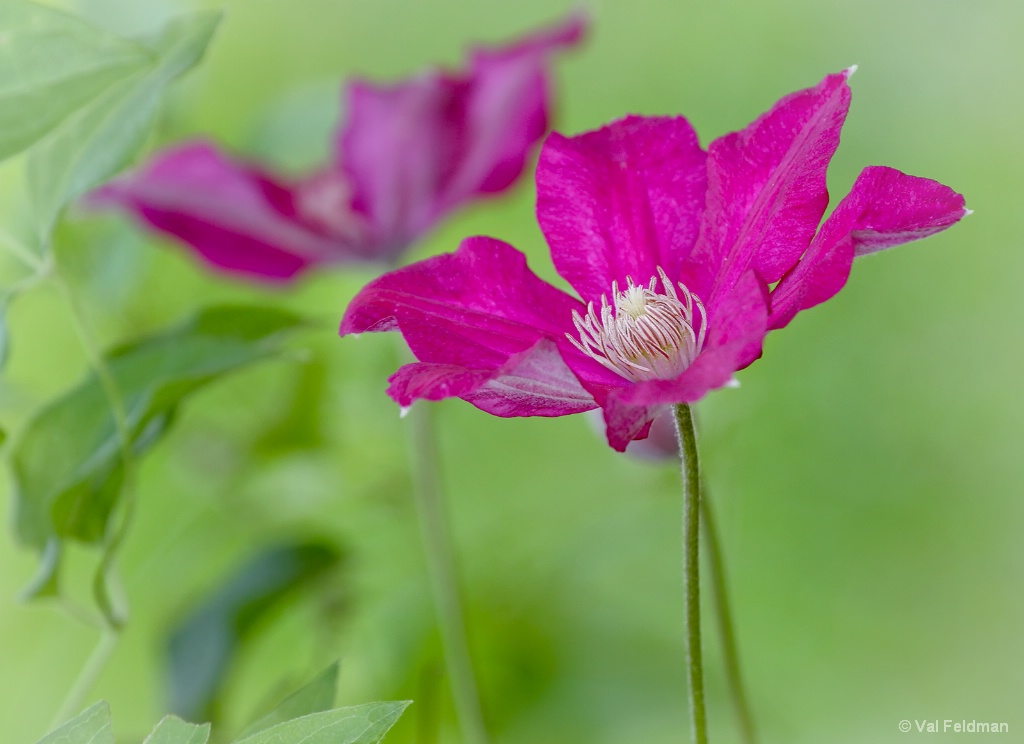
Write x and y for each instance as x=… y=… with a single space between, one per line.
x=684 y=260
x=408 y=154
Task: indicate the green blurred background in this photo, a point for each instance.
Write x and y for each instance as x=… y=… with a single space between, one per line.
x=867 y=473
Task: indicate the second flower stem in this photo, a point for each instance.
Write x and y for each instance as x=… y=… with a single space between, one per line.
x=716 y=568
x=687 y=436
x=444 y=585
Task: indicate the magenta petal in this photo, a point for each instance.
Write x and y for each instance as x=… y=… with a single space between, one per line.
x=473 y=308
x=395 y=147
x=417 y=149
x=820 y=274
x=484 y=327
x=429 y=381
x=621 y=201
x=661 y=442
x=895 y=208
x=624 y=422
x=234 y=217
x=884 y=208
x=534 y=382
x=507 y=109
x=767 y=190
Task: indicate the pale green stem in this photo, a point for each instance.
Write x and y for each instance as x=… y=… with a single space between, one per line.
x=25 y=284
x=426 y=704
x=99 y=365
x=687 y=436
x=20 y=251
x=42 y=268
x=440 y=557
x=87 y=677
x=723 y=615
x=116 y=535
x=113 y=618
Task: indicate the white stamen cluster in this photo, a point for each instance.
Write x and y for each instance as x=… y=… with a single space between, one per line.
x=643 y=334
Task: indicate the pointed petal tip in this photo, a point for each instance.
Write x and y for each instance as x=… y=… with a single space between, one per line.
x=848 y=72
x=968 y=212
x=404 y=411
x=732 y=383
x=574 y=27
x=581 y=16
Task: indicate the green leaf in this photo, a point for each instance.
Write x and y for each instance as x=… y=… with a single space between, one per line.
x=51 y=64
x=66 y=462
x=202 y=647
x=103 y=136
x=46 y=582
x=90 y=727
x=173 y=730
x=300 y=425
x=319 y=695
x=360 y=724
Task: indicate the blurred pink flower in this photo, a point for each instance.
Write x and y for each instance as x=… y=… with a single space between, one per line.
x=684 y=260
x=408 y=154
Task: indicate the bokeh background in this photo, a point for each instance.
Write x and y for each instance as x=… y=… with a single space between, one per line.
x=867 y=474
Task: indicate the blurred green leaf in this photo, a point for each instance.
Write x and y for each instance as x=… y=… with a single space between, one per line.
x=360 y=724
x=173 y=730
x=92 y=726
x=66 y=462
x=46 y=582
x=319 y=695
x=51 y=64
x=103 y=136
x=203 y=646
x=300 y=425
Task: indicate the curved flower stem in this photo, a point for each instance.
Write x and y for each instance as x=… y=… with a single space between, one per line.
x=723 y=615
x=113 y=617
x=444 y=585
x=687 y=436
x=111 y=614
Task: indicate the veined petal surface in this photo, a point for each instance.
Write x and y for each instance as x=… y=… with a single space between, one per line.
x=534 y=382
x=884 y=208
x=621 y=201
x=767 y=189
x=473 y=308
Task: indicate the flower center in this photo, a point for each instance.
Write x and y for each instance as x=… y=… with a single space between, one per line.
x=643 y=334
x=324 y=201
